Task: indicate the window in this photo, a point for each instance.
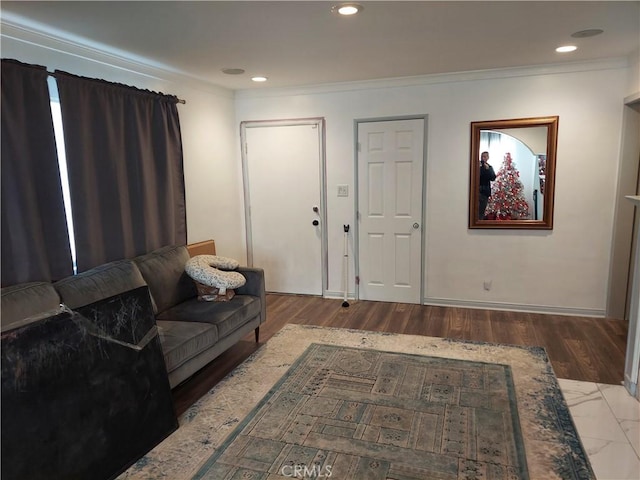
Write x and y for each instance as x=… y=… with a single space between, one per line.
x=62 y=166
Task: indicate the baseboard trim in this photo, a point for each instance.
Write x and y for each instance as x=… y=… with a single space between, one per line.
x=514 y=307
x=509 y=307
x=631 y=387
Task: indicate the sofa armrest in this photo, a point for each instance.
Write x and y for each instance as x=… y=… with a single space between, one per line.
x=26 y=300
x=255 y=286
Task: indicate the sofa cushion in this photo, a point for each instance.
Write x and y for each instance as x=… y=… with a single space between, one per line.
x=182 y=341
x=27 y=300
x=99 y=283
x=163 y=270
x=226 y=316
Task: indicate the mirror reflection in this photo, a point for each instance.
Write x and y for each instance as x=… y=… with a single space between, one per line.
x=518 y=180
x=511 y=163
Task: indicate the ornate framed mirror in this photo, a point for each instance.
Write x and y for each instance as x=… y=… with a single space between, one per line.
x=512 y=175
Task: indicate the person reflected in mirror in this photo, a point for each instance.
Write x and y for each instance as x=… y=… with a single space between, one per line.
x=487 y=175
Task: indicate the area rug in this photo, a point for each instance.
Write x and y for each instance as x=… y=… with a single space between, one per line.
x=349 y=404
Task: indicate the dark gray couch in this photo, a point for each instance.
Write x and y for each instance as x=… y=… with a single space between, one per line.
x=192 y=332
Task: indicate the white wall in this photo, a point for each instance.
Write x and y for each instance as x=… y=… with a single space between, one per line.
x=633 y=82
x=212 y=174
x=563 y=270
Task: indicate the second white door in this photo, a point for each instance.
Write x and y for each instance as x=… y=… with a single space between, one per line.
x=390 y=180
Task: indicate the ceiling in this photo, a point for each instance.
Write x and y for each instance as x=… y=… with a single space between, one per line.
x=304 y=43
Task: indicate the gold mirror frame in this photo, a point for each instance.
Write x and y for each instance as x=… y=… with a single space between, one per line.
x=513 y=127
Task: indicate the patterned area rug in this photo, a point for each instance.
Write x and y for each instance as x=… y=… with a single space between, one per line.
x=348 y=404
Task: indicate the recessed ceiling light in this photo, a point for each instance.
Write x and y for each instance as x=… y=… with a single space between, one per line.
x=347 y=8
x=259 y=78
x=566 y=49
x=233 y=71
x=592 y=32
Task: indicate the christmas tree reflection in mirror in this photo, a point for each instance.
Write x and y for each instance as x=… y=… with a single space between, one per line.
x=512 y=166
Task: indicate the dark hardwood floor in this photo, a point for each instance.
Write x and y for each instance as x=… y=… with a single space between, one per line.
x=580 y=348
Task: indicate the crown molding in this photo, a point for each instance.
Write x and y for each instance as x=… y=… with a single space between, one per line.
x=433 y=79
x=22 y=30
x=11 y=28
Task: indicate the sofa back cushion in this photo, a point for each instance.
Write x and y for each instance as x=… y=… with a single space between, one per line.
x=27 y=300
x=99 y=283
x=163 y=270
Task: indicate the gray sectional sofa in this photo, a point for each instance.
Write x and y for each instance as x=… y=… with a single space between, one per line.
x=192 y=332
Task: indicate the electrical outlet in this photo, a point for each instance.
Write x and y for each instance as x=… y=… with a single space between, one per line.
x=487 y=285
x=343 y=190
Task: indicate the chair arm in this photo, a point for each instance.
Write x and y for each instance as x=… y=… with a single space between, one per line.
x=255 y=286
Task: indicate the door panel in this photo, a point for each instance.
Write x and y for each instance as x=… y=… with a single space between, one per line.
x=282 y=185
x=390 y=178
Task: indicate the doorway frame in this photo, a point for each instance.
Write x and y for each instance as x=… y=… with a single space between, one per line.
x=320 y=124
x=356 y=214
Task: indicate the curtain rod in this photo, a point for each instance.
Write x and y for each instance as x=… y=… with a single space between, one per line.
x=180 y=100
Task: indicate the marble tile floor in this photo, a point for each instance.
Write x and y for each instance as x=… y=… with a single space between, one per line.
x=608 y=422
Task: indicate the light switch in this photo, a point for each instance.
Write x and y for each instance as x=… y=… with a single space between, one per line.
x=343 y=190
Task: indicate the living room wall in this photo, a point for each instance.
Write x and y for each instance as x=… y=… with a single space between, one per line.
x=564 y=270
x=213 y=180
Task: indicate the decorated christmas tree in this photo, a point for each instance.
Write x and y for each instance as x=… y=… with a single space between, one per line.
x=507 y=201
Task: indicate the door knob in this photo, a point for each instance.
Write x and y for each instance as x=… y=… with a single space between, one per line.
x=416 y=225
x=315 y=223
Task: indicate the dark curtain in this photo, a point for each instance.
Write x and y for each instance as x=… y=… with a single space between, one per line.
x=124 y=158
x=35 y=242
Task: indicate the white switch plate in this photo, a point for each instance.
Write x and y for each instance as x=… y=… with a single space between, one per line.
x=343 y=190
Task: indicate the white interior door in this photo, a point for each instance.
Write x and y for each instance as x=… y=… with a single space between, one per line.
x=390 y=180
x=283 y=174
